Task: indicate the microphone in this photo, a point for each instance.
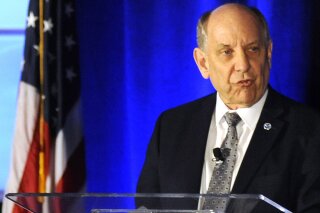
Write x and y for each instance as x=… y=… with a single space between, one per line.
x=221 y=154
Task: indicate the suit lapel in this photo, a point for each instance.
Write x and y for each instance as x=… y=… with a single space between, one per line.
x=195 y=144
x=261 y=141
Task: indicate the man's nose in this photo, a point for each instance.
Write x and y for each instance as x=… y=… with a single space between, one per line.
x=241 y=62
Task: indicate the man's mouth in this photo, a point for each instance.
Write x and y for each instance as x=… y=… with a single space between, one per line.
x=245 y=83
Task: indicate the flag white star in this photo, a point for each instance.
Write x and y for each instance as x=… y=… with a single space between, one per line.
x=36 y=47
x=70 y=42
x=70 y=74
x=48 y=25
x=31 y=20
x=68 y=9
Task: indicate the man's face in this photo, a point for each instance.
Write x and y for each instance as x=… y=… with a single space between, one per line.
x=237 y=59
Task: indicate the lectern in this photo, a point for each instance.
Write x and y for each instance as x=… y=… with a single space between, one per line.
x=138 y=203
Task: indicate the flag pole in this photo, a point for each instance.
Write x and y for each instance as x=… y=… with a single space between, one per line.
x=42 y=173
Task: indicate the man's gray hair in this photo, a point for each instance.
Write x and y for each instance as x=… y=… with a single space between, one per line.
x=202 y=30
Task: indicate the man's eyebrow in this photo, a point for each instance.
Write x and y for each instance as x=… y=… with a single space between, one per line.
x=252 y=43
x=221 y=46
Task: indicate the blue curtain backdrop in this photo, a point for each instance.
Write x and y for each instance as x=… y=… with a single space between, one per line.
x=136 y=61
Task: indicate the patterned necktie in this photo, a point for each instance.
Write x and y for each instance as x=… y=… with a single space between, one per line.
x=220 y=182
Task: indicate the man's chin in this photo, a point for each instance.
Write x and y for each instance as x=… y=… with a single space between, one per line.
x=245 y=102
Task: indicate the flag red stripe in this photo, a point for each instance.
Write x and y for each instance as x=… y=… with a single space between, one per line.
x=30 y=183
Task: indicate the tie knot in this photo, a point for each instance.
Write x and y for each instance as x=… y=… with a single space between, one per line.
x=232 y=118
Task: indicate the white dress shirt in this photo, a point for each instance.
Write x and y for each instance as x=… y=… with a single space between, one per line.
x=218 y=131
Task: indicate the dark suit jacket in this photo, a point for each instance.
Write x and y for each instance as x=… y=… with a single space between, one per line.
x=282 y=163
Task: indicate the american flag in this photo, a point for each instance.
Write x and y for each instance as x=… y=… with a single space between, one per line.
x=48 y=146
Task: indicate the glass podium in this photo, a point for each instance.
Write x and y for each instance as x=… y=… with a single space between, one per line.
x=139 y=203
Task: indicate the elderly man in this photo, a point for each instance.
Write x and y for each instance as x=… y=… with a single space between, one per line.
x=266 y=143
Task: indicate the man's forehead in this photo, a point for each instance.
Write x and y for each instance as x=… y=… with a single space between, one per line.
x=235 y=37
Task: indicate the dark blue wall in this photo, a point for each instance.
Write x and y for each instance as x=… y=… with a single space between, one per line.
x=136 y=61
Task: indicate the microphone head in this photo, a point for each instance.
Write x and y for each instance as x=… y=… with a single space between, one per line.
x=218 y=154
x=221 y=154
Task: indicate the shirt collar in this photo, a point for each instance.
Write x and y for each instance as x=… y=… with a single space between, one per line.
x=249 y=115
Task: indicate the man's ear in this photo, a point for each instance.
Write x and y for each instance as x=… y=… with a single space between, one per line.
x=202 y=62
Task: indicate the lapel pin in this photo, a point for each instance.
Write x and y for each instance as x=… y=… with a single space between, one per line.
x=267 y=126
